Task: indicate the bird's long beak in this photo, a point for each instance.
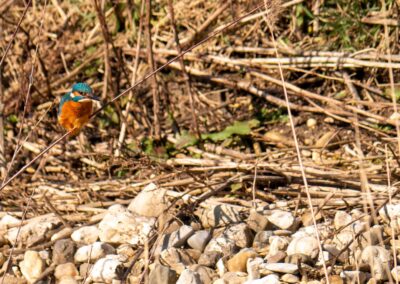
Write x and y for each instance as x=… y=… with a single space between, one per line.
x=93 y=97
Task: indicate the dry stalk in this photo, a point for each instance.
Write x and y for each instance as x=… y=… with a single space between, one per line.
x=154 y=85
x=186 y=74
x=270 y=24
x=125 y=121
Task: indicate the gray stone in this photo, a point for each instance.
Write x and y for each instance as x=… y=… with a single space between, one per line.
x=290 y=278
x=219 y=215
x=257 y=221
x=270 y=279
x=175 y=239
x=207 y=275
x=379 y=260
x=353 y=276
x=65 y=270
x=277 y=257
x=34 y=231
x=342 y=219
x=261 y=240
x=93 y=252
x=221 y=244
x=396 y=273
x=253 y=267
x=210 y=258
x=281 y=219
x=240 y=234
x=177 y=259
x=234 y=278
x=161 y=274
x=63 y=251
x=150 y=202
x=32 y=266
x=189 y=277
x=277 y=244
x=281 y=267
x=106 y=270
x=120 y=226
x=85 y=235
x=199 y=240
x=304 y=245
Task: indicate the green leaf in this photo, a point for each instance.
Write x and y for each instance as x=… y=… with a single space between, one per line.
x=186 y=140
x=237 y=128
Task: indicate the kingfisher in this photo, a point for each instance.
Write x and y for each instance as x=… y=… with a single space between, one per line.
x=76 y=107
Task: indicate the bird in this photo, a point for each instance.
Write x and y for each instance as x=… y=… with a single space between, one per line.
x=76 y=108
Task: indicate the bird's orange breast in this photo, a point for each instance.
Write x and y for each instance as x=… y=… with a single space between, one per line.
x=75 y=115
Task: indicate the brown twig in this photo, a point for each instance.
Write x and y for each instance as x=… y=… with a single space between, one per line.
x=154 y=85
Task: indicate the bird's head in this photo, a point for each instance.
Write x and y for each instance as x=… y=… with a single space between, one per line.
x=82 y=92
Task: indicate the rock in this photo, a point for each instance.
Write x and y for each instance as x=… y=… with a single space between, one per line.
x=2 y=259
x=125 y=251
x=253 y=267
x=34 y=230
x=281 y=219
x=335 y=279
x=177 y=259
x=311 y=123
x=306 y=153
x=66 y=270
x=261 y=240
x=278 y=257
x=343 y=238
x=189 y=277
x=234 y=278
x=84 y=269
x=210 y=258
x=333 y=252
x=10 y=279
x=199 y=240
x=299 y=258
x=107 y=269
x=270 y=279
x=238 y=261
x=290 y=278
x=85 y=235
x=62 y=234
x=390 y=212
x=150 y=202
x=175 y=239
x=219 y=215
x=63 y=251
x=221 y=244
x=207 y=275
x=396 y=273
x=221 y=268
x=342 y=219
x=353 y=276
x=93 y=252
x=161 y=274
x=32 y=266
x=304 y=245
x=124 y=227
x=277 y=244
x=281 y=267
x=257 y=221
x=240 y=234
x=67 y=280
x=379 y=260
x=307 y=218
x=7 y=221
